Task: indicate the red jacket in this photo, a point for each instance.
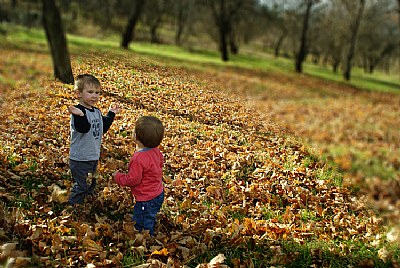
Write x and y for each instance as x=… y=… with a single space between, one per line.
x=145 y=173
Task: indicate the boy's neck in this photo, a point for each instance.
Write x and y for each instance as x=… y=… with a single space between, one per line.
x=83 y=104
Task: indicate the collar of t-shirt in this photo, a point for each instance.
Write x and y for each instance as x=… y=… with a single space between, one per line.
x=145 y=149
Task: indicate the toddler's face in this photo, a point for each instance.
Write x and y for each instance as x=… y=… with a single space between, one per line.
x=89 y=96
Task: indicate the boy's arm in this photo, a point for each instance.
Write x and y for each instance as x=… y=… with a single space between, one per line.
x=109 y=118
x=81 y=122
x=107 y=121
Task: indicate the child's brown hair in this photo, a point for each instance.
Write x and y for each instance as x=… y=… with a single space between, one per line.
x=83 y=80
x=149 y=131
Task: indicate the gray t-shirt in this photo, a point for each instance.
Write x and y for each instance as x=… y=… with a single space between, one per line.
x=86 y=146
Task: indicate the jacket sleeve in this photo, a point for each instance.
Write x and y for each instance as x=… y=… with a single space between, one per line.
x=81 y=123
x=108 y=120
x=134 y=175
x=161 y=160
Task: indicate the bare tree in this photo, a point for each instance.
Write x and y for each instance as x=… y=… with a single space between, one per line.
x=378 y=36
x=128 y=34
x=224 y=12
x=182 y=11
x=57 y=42
x=398 y=11
x=331 y=35
x=354 y=27
x=153 y=16
x=302 y=53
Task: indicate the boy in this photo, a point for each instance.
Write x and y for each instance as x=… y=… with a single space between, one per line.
x=145 y=173
x=87 y=127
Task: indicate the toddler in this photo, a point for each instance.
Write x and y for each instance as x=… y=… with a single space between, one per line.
x=145 y=173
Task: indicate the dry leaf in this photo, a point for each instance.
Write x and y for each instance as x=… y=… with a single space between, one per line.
x=57 y=194
x=6 y=250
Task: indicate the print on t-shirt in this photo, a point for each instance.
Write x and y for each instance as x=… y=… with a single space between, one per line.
x=96 y=128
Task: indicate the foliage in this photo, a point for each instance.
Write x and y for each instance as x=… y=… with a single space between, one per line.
x=233 y=184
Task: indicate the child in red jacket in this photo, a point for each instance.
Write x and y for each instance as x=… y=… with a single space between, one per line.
x=145 y=173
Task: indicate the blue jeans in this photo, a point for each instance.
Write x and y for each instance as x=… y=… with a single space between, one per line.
x=144 y=213
x=81 y=188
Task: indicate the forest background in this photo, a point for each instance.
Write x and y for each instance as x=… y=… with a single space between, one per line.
x=349 y=117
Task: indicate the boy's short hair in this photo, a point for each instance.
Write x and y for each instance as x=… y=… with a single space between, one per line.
x=149 y=131
x=83 y=80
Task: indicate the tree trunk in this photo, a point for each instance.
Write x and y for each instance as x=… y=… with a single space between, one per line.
x=223 y=27
x=386 y=51
x=303 y=43
x=398 y=10
x=232 y=43
x=354 y=32
x=223 y=44
x=365 y=64
x=225 y=12
x=57 y=42
x=181 y=21
x=128 y=34
x=153 y=31
x=278 y=45
x=371 y=69
x=335 y=64
x=180 y=26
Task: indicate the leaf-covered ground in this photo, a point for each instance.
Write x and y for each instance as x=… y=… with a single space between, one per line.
x=236 y=183
x=357 y=131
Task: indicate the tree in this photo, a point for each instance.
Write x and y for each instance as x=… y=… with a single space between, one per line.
x=128 y=34
x=398 y=11
x=182 y=10
x=282 y=34
x=331 y=34
x=302 y=53
x=354 y=27
x=57 y=42
x=378 y=35
x=224 y=12
x=153 y=16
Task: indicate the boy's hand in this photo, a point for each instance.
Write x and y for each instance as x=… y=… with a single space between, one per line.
x=115 y=108
x=76 y=111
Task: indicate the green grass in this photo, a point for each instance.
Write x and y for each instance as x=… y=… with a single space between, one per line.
x=378 y=81
x=293 y=254
x=5 y=81
x=132 y=259
x=372 y=165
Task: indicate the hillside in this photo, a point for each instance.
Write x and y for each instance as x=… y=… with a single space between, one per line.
x=355 y=131
x=236 y=183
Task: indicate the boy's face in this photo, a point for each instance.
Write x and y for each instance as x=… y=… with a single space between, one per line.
x=89 y=96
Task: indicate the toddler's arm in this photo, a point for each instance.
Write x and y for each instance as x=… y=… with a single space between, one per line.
x=133 y=177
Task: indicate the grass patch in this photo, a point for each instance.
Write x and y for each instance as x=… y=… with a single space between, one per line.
x=293 y=254
x=378 y=81
x=132 y=258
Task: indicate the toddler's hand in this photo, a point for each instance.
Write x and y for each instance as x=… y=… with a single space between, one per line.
x=76 y=111
x=115 y=108
x=113 y=175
